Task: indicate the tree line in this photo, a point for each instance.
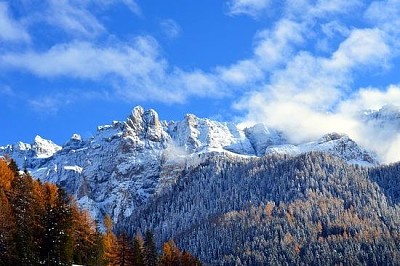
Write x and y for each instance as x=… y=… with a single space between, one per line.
x=41 y=225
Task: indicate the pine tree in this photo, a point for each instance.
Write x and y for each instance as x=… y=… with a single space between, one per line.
x=150 y=250
x=125 y=252
x=58 y=243
x=99 y=250
x=23 y=205
x=138 y=259
x=39 y=224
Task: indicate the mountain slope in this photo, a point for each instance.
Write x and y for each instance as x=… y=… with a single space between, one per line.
x=310 y=209
x=126 y=163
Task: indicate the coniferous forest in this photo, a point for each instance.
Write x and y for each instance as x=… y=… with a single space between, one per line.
x=312 y=209
x=41 y=225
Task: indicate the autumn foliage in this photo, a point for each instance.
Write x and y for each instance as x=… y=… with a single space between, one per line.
x=41 y=225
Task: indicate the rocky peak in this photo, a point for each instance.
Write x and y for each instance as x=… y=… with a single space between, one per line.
x=44 y=148
x=143 y=124
x=341 y=145
x=261 y=137
x=144 y=130
x=185 y=132
x=135 y=120
x=21 y=146
x=152 y=125
x=76 y=137
x=75 y=142
x=330 y=137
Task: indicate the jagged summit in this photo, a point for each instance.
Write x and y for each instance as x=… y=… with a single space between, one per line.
x=127 y=162
x=44 y=148
x=143 y=124
x=24 y=153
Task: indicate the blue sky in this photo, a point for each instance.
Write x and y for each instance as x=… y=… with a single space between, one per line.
x=67 y=66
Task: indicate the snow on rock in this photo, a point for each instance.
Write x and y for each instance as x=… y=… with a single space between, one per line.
x=24 y=154
x=261 y=137
x=44 y=148
x=195 y=134
x=339 y=145
x=74 y=168
x=385 y=120
x=125 y=163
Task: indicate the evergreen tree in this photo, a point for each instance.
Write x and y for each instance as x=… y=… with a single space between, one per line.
x=23 y=206
x=125 y=252
x=58 y=243
x=99 y=250
x=138 y=259
x=150 y=250
x=39 y=224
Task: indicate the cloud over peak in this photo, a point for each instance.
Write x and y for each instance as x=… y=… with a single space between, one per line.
x=301 y=74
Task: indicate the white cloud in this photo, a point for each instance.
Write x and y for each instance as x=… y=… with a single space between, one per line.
x=73 y=17
x=133 y=6
x=333 y=28
x=137 y=71
x=49 y=104
x=272 y=49
x=242 y=72
x=248 y=7
x=170 y=28
x=10 y=29
x=386 y=14
x=308 y=10
x=306 y=95
x=88 y=61
x=305 y=98
x=323 y=7
x=363 y=46
x=76 y=18
x=370 y=98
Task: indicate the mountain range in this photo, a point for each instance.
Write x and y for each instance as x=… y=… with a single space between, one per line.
x=200 y=177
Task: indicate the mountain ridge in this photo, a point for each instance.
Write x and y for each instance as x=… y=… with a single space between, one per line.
x=125 y=163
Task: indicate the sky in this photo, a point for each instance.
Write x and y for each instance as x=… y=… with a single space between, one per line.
x=306 y=67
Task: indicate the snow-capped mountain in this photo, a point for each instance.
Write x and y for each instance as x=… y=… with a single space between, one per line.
x=127 y=162
x=385 y=120
x=24 y=153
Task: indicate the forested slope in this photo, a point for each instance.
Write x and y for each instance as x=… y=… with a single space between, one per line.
x=312 y=209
